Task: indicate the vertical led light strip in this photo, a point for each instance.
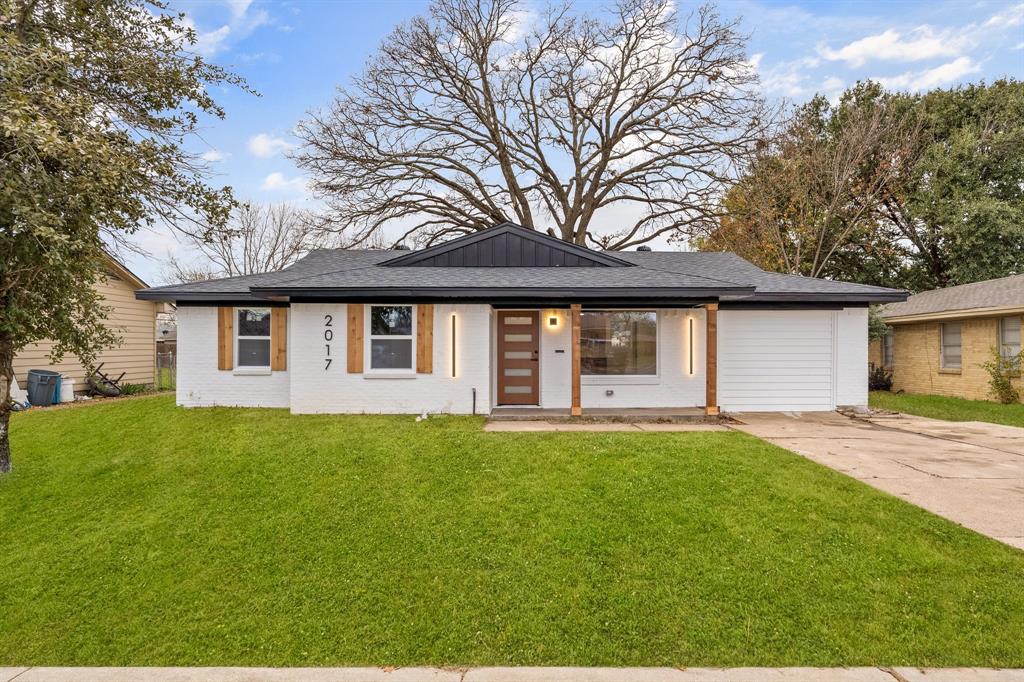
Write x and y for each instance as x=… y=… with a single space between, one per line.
x=453 y=345
x=690 y=319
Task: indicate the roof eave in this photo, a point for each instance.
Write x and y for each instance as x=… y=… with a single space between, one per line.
x=992 y=311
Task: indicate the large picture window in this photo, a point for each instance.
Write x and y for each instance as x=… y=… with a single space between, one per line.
x=253 y=338
x=619 y=342
x=391 y=337
x=950 y=345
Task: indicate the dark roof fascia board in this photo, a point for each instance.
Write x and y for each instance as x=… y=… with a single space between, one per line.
x=199 y=298
x=826 y=297
x=233 y=303
x=505 y=228
x=791 y=305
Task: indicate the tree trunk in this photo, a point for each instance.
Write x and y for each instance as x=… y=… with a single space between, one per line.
x=6 y=377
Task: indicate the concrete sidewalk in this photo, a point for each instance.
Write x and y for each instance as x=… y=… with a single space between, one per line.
x=510 y=675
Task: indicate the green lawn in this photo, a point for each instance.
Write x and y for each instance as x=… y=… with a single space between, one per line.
x=951 y=409
x=137 y=533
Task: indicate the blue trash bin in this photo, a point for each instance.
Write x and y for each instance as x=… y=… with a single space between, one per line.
x=42 y=387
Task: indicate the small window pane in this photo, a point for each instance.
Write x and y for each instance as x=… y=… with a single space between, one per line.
x=518 y=338
x=518 y=389
x=391 y=320
x=391 y=354
x=253 y=322
x=518 y=355
x=887 y=347
x=515 y=372
x=254 y=352
x=1009 y=336
x=518 y=320
x=619 y=343
x=950 y=332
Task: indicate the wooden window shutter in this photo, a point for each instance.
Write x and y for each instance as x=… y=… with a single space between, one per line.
x=225 y=338
x=278 y=339
x=355 y=338
x=425 y=338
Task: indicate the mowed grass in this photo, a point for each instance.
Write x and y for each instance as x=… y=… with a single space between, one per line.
x=138 y=533
x=950 y=409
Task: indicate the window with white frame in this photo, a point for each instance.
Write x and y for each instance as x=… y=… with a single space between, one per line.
x=252 y=338
x=391 y=337
x=887 y=346
x=619 y=342
x=1009 y=336
x=949 y=341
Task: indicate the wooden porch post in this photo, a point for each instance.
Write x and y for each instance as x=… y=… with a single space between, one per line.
x=576 y=410
x=711 y=371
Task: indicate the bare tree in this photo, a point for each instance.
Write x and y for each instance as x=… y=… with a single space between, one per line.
x=258 y=238
x=812 y=192
x=482 y=112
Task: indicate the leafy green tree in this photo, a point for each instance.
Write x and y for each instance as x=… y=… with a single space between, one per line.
x=894 y=189
x=959 y=206
x=99 y=98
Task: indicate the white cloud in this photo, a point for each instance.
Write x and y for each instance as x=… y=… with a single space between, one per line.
x=946 y=74
x=214 y=155
x=921 y=43
x=787 y=79
x=1019 y=46
x=266 y=146
x=277 y=182
x=1011 y=16
x=241 y=23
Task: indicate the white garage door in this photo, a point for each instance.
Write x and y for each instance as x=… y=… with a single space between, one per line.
x=775 y=360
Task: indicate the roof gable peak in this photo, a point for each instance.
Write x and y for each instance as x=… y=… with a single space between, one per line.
x=506 y=245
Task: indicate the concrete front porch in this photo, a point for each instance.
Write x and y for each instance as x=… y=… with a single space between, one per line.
x=689 y=415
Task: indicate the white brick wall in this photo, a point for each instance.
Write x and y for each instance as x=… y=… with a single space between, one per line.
x=199 y=381
x=852 y=357
x=316 y=389
x=768 y=360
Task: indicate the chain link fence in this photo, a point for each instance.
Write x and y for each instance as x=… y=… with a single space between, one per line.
x=166 y=371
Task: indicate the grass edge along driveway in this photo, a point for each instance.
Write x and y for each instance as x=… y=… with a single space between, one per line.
x=138 y=533
x=949 y=409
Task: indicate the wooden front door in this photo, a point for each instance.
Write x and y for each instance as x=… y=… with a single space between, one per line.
x=518 y=357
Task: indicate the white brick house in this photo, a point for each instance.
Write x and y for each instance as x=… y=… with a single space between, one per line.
x=511 y=317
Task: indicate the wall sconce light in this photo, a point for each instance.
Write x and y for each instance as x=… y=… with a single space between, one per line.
x=690 y=319
x=453 y=345
x=553 y=321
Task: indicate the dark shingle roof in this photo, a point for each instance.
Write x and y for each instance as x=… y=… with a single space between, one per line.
x=993 y=293
x=340 y=272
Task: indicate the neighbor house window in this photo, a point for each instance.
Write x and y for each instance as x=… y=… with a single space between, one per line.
x=949 y=334
x=619 y=343
x=253 y=337
x=1009 y=336
x=391 y=337
x=887 y=344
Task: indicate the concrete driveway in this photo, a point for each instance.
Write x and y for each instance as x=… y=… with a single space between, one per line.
x=969 y=472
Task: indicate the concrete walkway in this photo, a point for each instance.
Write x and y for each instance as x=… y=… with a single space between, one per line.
x=969 y=472
x=509 y=675
x=634 y=427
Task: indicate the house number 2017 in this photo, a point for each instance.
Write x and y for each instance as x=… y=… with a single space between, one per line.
x=328 y=336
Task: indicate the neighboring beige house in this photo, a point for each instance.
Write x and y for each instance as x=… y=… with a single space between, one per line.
x=133 y=320
x=939 y=338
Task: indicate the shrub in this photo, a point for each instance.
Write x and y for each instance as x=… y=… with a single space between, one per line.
x=1001 y=370
x=879 y=379
x=133 y=389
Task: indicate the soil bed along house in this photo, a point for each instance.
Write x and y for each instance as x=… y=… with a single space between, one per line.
x=508 y=317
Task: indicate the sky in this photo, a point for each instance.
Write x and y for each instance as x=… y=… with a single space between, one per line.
x=296 y=53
